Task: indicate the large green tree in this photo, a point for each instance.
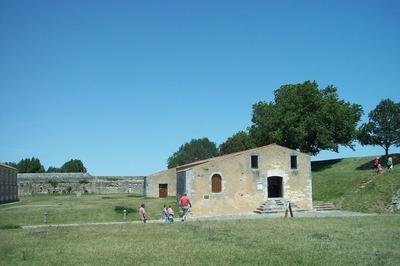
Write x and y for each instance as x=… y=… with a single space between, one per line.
x=32 y=165
x=307 y=118
x=383 y=127
x=238 y=142
x=195 y=150
x=73 y=166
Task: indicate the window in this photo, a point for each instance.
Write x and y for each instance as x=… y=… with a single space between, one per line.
x=254 y=162
x=216 y=183
x=293 y=162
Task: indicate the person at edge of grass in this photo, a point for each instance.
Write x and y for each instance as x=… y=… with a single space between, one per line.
x=377 y=166
x=185 y=204
x=164 y=215
x=142 y=214
x=376 y=163
x=170 y=213
x=379 y=170
x=389 y=163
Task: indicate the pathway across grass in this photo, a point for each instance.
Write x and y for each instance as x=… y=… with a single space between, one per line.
x=304 y=214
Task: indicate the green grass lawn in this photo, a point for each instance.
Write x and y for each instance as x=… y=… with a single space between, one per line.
x=87 y=208
x=372 y=240
x=339 y=181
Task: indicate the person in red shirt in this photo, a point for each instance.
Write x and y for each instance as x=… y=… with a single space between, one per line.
x=185 y=204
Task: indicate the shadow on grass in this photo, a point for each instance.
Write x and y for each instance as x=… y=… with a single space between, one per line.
x=383 y=160
x=120 y=209
x=317 y=166
x=135 y=196
x=10 y=226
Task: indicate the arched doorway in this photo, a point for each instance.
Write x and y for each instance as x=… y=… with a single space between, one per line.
x=275 y=187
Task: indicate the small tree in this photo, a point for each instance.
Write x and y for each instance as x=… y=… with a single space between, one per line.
x=383 y=127
x=53 y=183
x=32 y=165
x=53 y=169
x=195 y=150
x=12 y=164
x=238 y=142
x=73 y=166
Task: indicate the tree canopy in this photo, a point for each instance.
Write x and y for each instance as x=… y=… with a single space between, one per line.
x=195 y=150
x=28 y=165
x=12 y=164
x=73 y=166
x=383 y=127
x=53 y=169
x=239 y=141
x=306 y=118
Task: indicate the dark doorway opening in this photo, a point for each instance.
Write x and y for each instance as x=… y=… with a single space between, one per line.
x=162 y=190
x=275 y=188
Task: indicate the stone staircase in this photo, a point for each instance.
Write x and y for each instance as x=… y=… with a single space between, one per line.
x=275 y=205
x=323 y=206
x=366 y=182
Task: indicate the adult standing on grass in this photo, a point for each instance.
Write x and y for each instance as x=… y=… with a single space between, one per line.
x=185 y=204
x=142 y=214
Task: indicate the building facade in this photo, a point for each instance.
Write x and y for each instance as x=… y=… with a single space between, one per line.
x=8 y=184
x=238 y=183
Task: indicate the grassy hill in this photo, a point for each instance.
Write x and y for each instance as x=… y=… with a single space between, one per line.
x=352 y=183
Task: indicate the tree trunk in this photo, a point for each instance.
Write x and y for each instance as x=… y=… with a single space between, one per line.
x=386 y=152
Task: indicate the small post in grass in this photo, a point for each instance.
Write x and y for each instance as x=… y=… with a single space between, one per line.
x=286 y=208
x=45 y=218
x=290 y=210
x=124 y=214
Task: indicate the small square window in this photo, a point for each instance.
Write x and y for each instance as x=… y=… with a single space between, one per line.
x=293 y=162
x=254 y=162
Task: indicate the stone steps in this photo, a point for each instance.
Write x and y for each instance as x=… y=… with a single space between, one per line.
x=364 y=183
x=324 y=206
x=275 y=206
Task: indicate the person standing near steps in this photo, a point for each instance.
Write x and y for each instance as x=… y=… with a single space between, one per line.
x=185 y=204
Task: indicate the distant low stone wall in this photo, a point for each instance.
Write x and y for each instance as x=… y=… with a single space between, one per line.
x=64 y=183
x=395 y=206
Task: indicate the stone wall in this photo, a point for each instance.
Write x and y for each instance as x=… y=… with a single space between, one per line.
x=64 y=183
x=8 y=184
x=395 y=206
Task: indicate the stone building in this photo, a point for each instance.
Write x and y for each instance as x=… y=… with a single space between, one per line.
x=239 y=182
x=8 y=184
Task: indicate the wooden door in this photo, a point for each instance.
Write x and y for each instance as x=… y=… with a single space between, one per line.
x=162 y=190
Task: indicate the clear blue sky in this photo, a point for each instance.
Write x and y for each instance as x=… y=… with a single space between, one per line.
x=122 y=84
